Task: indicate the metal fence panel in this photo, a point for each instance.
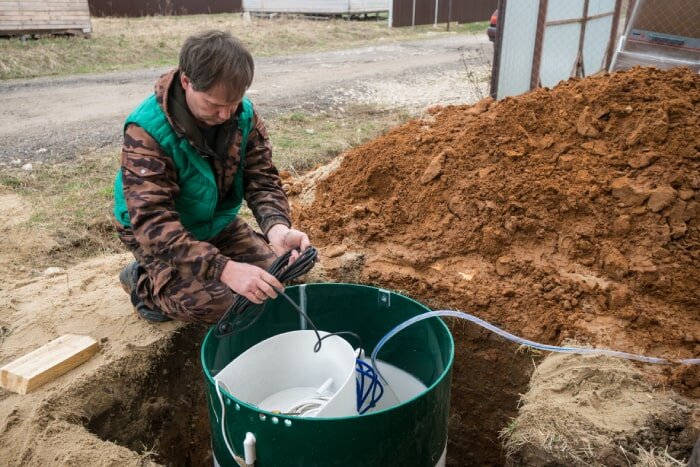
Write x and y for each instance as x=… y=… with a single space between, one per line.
x=546 y=41
x=594 y=49
x=517 y=45
x=462 y=11
x=136 y=8
x=559 y=50
x=466 y=11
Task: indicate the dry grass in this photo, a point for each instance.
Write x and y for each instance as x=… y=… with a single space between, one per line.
x=304 y=141
x=577 y=433
x=653 y=457
x=128 y=43
x=552 y=437
x=72 y=202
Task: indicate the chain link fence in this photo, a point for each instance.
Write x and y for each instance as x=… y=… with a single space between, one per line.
x=541 y=42
x=660 y=33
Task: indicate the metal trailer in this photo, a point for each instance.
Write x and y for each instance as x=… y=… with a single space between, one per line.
x=661 y=34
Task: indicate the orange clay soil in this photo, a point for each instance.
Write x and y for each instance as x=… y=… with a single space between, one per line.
x=571 y=212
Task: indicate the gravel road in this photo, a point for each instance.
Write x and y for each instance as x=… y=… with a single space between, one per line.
x=56 y=119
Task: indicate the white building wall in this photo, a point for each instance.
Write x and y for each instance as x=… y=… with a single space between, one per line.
x=316 y=6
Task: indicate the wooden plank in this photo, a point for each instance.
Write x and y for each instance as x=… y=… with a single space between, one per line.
x=73 y=24
x=40 y=5
x=52 y=30
x=44 y=9
x=47 y=363
x=41 y=27
x=44 y=14
x=11 y=28
x=34 y=13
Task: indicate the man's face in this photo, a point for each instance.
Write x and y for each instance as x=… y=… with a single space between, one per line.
x=211 y=107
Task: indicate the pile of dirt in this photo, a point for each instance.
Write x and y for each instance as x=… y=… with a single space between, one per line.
x=565 y=213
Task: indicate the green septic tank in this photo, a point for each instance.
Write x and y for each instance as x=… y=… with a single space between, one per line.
x=412 y=433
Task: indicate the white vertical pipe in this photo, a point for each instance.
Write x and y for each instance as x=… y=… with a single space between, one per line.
x=437 y=2
x=249 y=449
x=413 y=21
x=391 y=13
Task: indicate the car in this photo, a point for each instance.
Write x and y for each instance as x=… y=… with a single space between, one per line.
x=491 y=30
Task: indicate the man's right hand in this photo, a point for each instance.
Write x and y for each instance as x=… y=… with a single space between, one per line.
x=252 y=282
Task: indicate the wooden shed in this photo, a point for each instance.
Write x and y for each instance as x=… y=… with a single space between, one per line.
x=47 y=16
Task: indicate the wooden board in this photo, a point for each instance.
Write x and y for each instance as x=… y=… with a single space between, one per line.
x=47 y=363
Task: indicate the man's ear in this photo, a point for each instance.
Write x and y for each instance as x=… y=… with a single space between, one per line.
x=184 y=80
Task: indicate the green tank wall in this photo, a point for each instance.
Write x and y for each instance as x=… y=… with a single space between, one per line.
x=413 y=433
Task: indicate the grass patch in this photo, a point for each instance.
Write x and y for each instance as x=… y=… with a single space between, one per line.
x=130 y=43
x=72 y=202
x=304 y=141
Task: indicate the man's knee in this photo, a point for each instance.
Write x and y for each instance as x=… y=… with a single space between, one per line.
x=243 y=244
x=194 y=301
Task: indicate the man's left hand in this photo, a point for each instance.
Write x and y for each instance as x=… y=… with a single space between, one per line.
x=282 y=239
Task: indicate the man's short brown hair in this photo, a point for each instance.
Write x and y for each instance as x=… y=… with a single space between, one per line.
x=214 y=57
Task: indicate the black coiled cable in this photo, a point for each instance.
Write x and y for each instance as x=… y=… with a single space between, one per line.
x=283 y=271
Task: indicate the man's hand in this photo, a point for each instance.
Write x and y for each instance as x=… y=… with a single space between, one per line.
x=282 y=239
x=252 y=282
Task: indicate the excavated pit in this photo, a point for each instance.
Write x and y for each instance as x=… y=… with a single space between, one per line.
x=165 y=418
x=488 y=378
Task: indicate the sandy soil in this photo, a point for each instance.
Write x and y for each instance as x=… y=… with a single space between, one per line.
x=40 y=428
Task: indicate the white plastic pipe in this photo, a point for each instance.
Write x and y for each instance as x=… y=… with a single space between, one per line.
x=437 y=2
x=249 y=449
x=324 y=387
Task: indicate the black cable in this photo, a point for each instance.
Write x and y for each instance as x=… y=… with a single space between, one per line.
x=317 y=345
x=283 y=271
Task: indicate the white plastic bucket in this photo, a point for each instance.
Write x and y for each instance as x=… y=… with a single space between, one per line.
x=279 y=374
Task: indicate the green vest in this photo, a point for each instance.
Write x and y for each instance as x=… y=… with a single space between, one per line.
x=201 y=211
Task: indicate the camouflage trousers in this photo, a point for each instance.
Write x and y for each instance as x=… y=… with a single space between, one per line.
x=186 y=298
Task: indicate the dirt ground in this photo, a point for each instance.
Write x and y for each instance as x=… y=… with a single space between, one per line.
x=571 y=213
x=564 y=214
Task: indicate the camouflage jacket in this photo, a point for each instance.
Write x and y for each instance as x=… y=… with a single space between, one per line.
x=150 y=193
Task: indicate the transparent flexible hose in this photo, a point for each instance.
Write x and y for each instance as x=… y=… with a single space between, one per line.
x=223 y=421
x=521 y=341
